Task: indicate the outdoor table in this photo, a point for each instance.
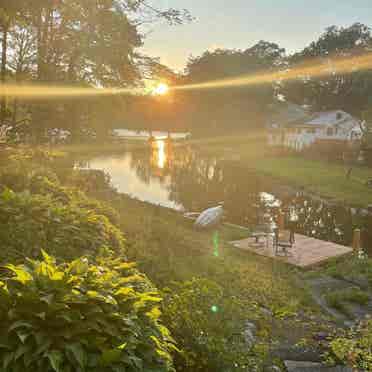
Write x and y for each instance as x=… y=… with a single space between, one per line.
x=258 y=236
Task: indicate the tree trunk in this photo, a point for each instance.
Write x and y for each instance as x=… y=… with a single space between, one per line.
x=4 y=46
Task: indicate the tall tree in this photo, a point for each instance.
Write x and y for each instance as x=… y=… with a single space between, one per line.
x=337 y=90
x=80 y=41
x=227 y=107
x=9 y=10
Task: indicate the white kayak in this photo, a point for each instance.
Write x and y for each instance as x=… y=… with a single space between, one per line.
x=210 y=217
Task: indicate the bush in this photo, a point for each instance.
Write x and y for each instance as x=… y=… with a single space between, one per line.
x=353 y=347
x=209 y=328
x=80 y=317
x=29 y=223
x=92 y=181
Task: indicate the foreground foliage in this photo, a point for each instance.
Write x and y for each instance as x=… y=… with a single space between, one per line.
x=30 y=222
x=80 y=317
x=210 y=328
x=353 y=347
x=36 y=212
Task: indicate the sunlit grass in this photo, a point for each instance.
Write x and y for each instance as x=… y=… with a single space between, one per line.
x=319 y=177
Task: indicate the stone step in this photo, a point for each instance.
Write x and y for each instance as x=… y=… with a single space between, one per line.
x=294 y=366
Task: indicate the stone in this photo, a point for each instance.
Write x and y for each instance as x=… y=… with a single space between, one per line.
x=250 y=333
x=295 y=366
x=273 y=369
x=297 y=353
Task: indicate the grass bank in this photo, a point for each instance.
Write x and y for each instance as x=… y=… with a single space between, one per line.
x=321 y=178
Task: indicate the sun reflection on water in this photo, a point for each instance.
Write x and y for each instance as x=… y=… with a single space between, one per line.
x=159 y=153
x=162 y=156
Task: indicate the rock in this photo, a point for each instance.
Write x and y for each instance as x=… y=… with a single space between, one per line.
x=294 y=366
x=273 y=369
x=266 y=311
x=297 y=353
x=250 y=333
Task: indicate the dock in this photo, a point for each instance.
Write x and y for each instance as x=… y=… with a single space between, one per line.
x=305 y=253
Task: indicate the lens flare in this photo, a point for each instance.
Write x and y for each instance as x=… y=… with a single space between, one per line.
x=314 y=69
x=311 y=69
x=161 y=89
x=216 y=244
x=57 y=92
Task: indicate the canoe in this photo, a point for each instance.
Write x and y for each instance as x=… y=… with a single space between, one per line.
x=209 y=218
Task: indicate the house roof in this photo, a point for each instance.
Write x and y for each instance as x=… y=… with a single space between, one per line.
x=287 y=113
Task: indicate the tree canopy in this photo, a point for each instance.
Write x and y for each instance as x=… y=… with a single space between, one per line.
x=73 y=42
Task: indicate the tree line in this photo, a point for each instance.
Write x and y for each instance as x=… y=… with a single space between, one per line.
x=247 y=107
x=80 y=43
x=74 y=43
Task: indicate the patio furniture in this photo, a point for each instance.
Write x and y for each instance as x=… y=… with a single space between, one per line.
x=263 y=235
x=283 y=241
x=258 y=236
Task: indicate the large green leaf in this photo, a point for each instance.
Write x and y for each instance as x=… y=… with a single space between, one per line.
x=111 y=356
x=55 y=357
x=79 y=353
x=21 y=275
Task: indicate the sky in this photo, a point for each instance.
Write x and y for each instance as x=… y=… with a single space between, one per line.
x=241 y=23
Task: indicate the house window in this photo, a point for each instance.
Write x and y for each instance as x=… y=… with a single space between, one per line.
x=329 y=131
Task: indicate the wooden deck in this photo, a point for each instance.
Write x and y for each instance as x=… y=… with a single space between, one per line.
x=305 y=253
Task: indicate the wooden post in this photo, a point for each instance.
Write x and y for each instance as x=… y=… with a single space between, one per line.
x=281 y=221
x=356 y=240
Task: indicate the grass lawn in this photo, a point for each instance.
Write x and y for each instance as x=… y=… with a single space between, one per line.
x=321 y=178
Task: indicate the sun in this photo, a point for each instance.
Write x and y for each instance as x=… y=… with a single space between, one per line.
x=161 y=89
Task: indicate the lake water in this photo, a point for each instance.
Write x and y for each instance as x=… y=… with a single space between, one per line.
x=182 y=179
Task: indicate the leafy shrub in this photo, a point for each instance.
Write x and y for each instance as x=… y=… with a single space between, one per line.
x=40 y=184
x=353 y=347
x=209 y=328
x=92 y=181
x=80 y=317
x=29 y=223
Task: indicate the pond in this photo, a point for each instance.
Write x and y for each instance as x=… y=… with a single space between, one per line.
x=180 y=178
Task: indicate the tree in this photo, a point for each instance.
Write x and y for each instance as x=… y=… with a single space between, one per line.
x=9 y=10
x=337 y=90
x=85 y=42
x=240 y=107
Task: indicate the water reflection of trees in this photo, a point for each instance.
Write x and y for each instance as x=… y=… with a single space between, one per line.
x=319 y=219
x=198 y=182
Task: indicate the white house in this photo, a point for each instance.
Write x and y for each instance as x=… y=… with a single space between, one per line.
x=332 y=126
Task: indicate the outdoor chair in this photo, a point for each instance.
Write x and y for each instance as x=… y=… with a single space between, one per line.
x=262 y=235
x=283 y=241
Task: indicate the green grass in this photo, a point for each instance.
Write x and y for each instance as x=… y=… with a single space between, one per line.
x=321 y=178
x=339 y=299
x=180 y=252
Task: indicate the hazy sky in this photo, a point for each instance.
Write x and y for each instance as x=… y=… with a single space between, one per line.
x=241 y=23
